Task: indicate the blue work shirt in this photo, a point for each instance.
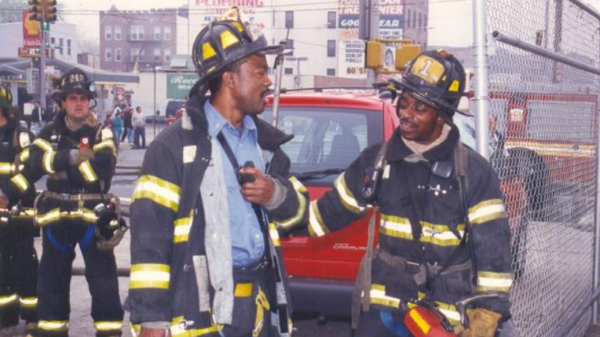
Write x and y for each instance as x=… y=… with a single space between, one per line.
x=246 y=236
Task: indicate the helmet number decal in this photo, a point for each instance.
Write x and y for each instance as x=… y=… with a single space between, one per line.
x=428 y=69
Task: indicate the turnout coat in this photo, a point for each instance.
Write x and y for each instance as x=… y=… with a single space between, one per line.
x=179 y=214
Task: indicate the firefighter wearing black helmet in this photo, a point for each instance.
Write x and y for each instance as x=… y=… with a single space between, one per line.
x=443 y=230
x=79 y=159
x=205 y=256
x=18 y=258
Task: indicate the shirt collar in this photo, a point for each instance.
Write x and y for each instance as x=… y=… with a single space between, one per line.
x=216 y=122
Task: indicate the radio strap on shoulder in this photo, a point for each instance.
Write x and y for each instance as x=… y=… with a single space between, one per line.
x=361 y=297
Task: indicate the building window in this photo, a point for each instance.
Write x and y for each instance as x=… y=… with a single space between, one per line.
x=156 y=33
x=330 y=72
x=330 y=48
x=408 y=19
x=142 y=55
x=69 y=47
x=118 y=33
x=420 y=20
x=167 y=55
x=331 y=19
x=167 y=33
x=137 y=33
x=108 y=33
x=289 y=71
x=289 y=19
x=107 y=54
x=290 y=45
x=156 y=54
x=60 y=45
x=414 y=20
x=118 y=54
x=133 y=54
x=425 y=15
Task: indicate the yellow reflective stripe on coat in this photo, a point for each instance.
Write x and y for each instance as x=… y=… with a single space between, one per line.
x=379 y=297
x=108 y=325
x=346 y=197
x=297 y=218
x=316 y=225
x=160 y=191
x=20 y=181
x=491 y=281
x=106 y=144
x=53 y=325
x=24 y=155
x=486 y=211
x=440 y=235
x=48 y=161
x=396 y=226
x=243 y=290
x=182 y=229
x=8 y=299
x=88 y=172
x=150 y=275
x=274 y=234
x=449 y=311
x=43 y=144
x=9 y=168
x=28 y=302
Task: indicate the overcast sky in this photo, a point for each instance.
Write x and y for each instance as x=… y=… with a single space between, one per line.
x=450 y=21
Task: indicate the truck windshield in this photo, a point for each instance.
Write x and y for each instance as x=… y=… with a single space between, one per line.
x=326 y=140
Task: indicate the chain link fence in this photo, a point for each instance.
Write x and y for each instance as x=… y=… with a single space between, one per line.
x=543 y=136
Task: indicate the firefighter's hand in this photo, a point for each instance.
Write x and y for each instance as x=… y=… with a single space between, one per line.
x=145 y=332
x=482 y=323
x=260 y=190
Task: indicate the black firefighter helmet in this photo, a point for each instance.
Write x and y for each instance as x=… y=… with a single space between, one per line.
x=225 y=41
x=75 y=80
x=436 y=78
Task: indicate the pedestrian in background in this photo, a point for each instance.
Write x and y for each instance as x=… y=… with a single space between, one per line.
x=139 y=128
x=127 y=125
x=117 y=127
x=36 y=117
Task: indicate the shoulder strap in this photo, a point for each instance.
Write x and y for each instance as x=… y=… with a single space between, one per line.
x=228 y=151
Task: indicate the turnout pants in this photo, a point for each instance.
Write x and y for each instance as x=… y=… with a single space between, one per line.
x=59 y=241
x=251 y=309
x=18 y=272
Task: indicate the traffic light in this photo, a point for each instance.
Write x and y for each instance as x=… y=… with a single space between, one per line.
x=49 y=10
x=373 y=55
x=405 y=53
x=35 y=10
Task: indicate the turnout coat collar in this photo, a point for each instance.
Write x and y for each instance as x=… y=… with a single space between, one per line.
x=397 y=150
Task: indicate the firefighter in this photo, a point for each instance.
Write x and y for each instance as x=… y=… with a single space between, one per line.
x=443 y=230
x=79 y=159
x=205 y=255
x=18 y=258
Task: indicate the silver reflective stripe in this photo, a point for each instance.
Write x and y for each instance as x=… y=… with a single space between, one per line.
x=201 y=271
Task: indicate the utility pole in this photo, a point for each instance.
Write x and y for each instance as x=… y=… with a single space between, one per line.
x=368 y=29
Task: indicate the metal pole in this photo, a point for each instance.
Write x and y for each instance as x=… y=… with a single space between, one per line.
x=515 y=42
x=481 y=99
x=43 y=60
x=596 y=277
x=558 y=14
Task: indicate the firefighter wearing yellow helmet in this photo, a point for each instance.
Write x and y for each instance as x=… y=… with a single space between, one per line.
x=18 y=258
x=214 y=187
x=78 y=157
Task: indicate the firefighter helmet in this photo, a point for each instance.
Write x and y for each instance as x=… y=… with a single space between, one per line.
x=75 y=80
x=436 y=78
x=110 y=226
x=225 y=41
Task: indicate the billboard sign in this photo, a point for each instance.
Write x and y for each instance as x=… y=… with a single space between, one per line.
x=179 y=85
x=351 y=50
